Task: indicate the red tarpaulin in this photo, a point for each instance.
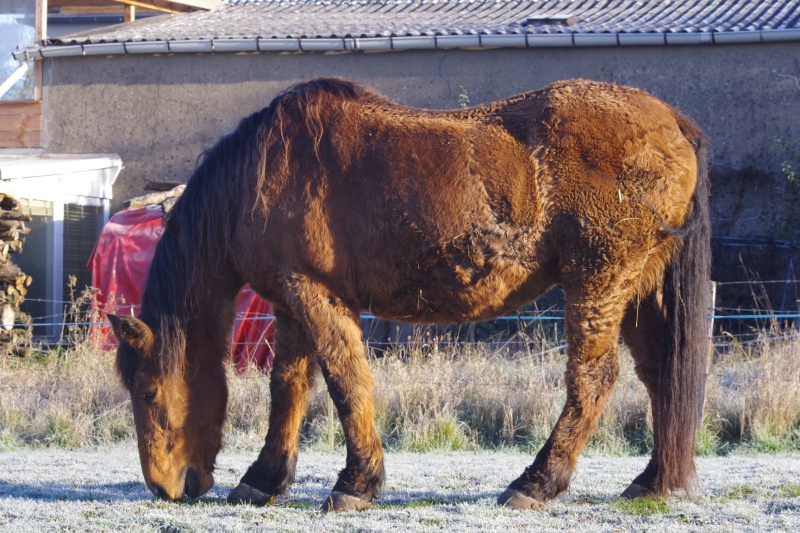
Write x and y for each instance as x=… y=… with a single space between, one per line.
x=119 y=265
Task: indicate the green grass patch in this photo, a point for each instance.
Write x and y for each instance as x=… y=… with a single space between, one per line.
x=707 y=441
x=768 y=442
x=741 y=491
x=421 y=503
x=427 y=502
x=643 y=506
x=736 y=494
x=438 y=433
x=295 y=504
x=790 y=490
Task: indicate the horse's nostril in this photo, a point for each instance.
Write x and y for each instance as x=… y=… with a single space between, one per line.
x=191 y=483
x=159 y=492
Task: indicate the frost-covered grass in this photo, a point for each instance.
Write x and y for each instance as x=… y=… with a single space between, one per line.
x=102 y=490
x=429 y=396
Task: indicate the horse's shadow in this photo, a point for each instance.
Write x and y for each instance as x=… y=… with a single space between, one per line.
x=134 y=491
x=313 y=489
x=52 y=492
x=390 y=499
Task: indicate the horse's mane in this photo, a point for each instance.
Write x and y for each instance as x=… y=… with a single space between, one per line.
x=195 y=243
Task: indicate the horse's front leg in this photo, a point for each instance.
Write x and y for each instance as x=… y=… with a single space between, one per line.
x=341 y=355
x=293 y=372
x=347 y=374
x=350 y=385
x=592 y=330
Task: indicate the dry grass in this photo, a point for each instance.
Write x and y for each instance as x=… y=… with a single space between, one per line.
x=431 y=396
x=68 y=399
x=754 y=394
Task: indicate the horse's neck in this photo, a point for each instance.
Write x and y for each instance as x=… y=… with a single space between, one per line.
x=209 y=325
x=191 y=281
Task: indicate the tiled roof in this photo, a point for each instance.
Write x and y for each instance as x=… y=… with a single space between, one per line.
x=364 y=24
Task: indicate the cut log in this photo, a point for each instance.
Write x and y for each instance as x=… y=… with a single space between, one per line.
x=15 y=330
x=8 y=203
x=9 y=272
x=14 y=214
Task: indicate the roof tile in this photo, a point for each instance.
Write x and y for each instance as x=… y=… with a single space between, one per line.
x=315 y=19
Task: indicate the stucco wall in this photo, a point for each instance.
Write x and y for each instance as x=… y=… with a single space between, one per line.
x=160 y=112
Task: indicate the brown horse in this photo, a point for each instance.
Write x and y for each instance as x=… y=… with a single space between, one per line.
x=334 y=200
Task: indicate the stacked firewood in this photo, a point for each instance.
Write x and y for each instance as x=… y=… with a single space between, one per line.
x=15 y=332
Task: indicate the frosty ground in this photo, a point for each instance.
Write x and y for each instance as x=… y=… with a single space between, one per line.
x=102 y=490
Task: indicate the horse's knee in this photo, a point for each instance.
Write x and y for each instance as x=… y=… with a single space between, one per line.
x=590 y=380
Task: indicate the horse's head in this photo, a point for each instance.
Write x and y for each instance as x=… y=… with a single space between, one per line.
x=178 y=412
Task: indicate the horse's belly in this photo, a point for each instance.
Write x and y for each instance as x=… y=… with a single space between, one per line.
x=501 y=289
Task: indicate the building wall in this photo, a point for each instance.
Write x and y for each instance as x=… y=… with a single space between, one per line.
x=160 y=112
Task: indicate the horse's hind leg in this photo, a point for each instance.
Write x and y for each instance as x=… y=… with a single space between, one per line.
x=643 y=332
x=292 y=376
x=592 y=329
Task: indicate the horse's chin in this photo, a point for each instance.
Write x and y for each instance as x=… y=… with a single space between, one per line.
x=162 y=493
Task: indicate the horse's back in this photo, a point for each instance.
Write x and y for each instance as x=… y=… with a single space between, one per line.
x=447 y=202
x=458 y=215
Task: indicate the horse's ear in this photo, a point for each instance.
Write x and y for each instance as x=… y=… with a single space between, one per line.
x=133 y=332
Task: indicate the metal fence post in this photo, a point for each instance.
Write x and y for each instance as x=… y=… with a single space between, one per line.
x=713 y=289
x=702 y=403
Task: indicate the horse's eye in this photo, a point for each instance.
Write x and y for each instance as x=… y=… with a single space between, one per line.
x=149 y=395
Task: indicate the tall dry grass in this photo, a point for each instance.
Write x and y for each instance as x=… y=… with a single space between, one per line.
x=65 y=398
x=435 y=395
x=754 y=394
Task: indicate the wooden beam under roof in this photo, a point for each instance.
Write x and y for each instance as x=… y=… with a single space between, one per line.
x=130 y=13
x=164 y=6
x=173 y=6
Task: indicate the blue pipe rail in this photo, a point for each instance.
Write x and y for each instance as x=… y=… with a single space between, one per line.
x=521 y=318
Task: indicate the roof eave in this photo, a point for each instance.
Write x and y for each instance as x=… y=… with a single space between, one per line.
x=423 y=42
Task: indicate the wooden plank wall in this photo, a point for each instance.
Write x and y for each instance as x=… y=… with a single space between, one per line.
x=20 y=124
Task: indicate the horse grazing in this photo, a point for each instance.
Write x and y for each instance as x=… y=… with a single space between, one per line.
x=334 y=200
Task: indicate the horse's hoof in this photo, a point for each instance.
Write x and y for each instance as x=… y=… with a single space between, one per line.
x=245 y=494
x=635 y=490
x=514 y=499
x=339 y=501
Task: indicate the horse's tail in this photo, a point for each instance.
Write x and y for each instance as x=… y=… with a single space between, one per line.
x=681 y=389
